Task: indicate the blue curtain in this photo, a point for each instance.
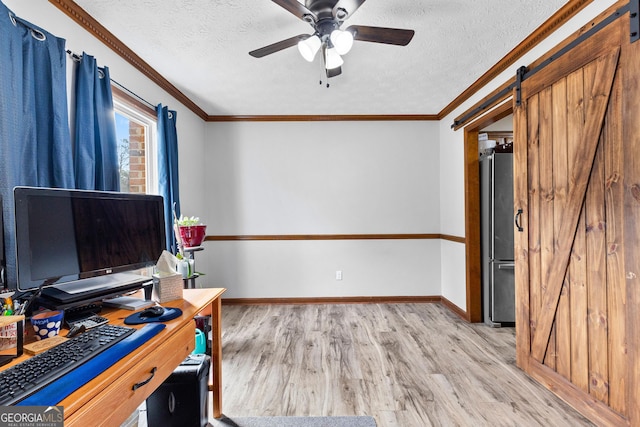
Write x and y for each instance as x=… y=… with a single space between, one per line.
x=35 y=144
x=168 y=170
x=95 y=146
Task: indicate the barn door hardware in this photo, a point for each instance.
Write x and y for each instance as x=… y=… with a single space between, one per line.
x=517 y=220
x=486 y=104
x=523 y=73
x=634 y=20
x=520 y=74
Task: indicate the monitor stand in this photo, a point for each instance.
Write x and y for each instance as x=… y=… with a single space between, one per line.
x=85 y=291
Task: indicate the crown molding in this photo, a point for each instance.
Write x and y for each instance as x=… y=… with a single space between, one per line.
x=326 y=118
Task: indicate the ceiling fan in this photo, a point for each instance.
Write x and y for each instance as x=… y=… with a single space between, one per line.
x=326 y=17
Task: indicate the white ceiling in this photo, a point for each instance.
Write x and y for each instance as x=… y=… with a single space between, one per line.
x=201 y=47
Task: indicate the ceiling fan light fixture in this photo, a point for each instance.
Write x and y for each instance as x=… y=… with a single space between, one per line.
x=309 y=47
x=332 y=59
x=342 y=41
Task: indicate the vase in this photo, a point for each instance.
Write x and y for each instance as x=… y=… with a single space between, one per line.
x=192 y=235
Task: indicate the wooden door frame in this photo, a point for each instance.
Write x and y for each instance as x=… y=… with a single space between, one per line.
x=473 y=256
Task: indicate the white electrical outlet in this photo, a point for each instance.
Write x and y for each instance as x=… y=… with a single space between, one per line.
x=338 y=274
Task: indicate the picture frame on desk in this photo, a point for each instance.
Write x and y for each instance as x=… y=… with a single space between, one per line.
x=12 y=325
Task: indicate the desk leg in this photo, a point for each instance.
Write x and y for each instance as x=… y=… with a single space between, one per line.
x=216 y=356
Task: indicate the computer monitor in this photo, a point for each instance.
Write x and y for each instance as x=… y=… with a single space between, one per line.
x=78 y=244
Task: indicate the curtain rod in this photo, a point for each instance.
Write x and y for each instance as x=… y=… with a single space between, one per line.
x=153 y=107
x=77 y=58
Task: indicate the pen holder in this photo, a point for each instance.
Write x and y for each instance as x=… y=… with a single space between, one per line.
x=47 y=324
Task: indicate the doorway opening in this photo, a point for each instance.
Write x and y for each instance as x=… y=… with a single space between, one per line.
x=473 y=252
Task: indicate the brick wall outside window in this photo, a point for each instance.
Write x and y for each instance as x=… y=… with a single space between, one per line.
x=137 y=158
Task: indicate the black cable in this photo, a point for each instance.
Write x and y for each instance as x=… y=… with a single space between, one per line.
x=36 y=294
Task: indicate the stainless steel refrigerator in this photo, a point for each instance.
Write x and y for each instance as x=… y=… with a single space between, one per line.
x=496 y=204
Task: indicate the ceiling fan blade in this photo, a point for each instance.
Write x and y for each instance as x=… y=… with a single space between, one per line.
x=345 y=8
x=298 y=9
x=394 y=36
x=278 y=46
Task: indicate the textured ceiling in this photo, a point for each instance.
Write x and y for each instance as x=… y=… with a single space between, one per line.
x=201 y=47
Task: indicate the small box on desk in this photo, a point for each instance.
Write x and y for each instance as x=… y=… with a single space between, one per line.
x=167 y=287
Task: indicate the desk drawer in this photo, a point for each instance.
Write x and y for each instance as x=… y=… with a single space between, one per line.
x=119 y=399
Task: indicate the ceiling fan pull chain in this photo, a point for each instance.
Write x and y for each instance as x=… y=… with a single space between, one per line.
x=326 y=73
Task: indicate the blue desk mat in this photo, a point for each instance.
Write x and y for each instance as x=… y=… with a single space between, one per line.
x=56 y=391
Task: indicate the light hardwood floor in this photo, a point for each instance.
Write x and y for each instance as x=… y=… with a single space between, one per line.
x=404 y=364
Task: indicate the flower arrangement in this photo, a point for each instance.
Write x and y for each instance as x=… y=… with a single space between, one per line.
x=186 y=221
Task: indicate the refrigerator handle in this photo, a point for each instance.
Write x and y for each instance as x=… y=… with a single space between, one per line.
x=517 y=220
x=506 y=266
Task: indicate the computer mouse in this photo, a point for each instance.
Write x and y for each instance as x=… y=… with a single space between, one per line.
x=153 y=311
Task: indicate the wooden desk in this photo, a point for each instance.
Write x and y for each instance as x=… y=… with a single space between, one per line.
x=109 y=399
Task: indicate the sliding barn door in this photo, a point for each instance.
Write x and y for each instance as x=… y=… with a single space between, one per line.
x=577 y=184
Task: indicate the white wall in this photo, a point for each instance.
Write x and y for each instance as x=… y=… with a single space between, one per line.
x=322 y=178
x=452 y=158
x=289 y=269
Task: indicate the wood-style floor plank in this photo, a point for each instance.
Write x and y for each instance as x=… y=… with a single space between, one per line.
x=404 y=364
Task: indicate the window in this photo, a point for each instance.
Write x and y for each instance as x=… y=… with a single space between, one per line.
x=136 y=138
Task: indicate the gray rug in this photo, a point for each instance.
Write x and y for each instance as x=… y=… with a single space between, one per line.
x=295 y=422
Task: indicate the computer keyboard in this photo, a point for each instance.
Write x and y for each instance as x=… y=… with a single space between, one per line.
x=25 y=378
